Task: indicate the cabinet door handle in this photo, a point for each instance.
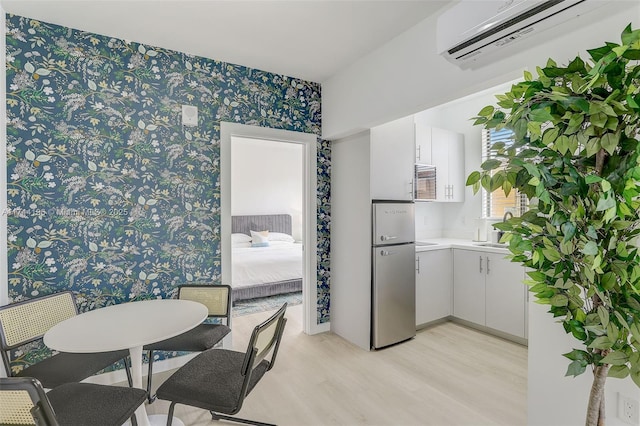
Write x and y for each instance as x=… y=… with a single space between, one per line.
x=418 y=264
x=411 y=189
x=418 y=153
x=480 y=264
x=488 y=270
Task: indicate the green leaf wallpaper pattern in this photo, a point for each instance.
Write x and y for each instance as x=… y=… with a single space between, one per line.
x=108 y=194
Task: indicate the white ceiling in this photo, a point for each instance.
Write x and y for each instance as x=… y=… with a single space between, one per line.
x=308 y=39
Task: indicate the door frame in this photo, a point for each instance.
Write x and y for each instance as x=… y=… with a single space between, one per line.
x=309 y=216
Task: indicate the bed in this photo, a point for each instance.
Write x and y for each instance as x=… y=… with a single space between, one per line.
x=268 y=270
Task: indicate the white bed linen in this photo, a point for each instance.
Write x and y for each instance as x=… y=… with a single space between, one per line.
x=279 y=261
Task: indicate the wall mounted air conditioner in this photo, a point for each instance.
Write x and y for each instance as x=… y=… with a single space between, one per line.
x=472 y=28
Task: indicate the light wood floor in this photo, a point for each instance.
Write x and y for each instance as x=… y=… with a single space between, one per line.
x=447 y=375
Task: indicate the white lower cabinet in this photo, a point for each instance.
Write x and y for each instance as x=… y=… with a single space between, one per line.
x=505 y=295
x=469 y=285
x=488 y=290
x=434 y=281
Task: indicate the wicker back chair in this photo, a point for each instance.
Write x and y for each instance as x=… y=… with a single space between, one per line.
x=219 y=380
x=24 y=402
x=25 y=322
x=217 y=298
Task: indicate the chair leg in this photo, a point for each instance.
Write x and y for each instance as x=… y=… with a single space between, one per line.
x=217 y=416
x=134 y=420
x=150 y=397
x=170 y=413
x=127 y=370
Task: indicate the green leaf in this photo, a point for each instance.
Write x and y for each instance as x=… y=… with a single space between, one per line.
x=591 y=248
x=568 y=230
x=628 y=36
x=609 y=142
x=473 y=178
x=605 y=203
x=576 y=368
x=635 y=331
x=549 y=136
x=608 y=280
x=615 y=358
x=603 y=314
x=537 y=276
x=593 y=146
x=559 y=300
x=576 y=355
x=486 y=111
x=541 y=115
x=592 y=179
x=491 y=164
x=551 y=254
x=601 y=342
x=599 y=119
x=618 y=371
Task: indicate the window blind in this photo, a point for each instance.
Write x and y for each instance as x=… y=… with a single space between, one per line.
x=496 y=203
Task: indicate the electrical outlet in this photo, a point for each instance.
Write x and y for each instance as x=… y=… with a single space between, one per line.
x=628 y=409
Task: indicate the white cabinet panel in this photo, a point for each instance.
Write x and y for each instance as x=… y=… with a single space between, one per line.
x=423 y=144
x=434 y=283
x=447 y=153
x=505 y=295
x=392 y=160
x=488 y=290
x=469 y=285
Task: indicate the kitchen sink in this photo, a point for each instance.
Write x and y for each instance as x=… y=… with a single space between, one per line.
x=494 y=245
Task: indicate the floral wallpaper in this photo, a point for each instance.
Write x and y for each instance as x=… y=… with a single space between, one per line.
x=109 y=195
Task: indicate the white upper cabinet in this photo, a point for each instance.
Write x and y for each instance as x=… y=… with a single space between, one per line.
x=392 y=160
x=423 y=144
x=397 y=146
x=447 y=154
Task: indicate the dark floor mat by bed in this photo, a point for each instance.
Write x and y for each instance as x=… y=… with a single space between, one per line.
x=246 y=307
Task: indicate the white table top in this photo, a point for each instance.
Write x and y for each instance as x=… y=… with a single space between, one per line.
x=125 y=326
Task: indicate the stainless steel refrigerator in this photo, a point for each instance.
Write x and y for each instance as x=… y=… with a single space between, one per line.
x=393 y=285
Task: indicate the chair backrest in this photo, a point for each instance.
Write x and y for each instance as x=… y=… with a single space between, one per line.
x=24 y=402
x=24 y=322
x=217 y=298
x=264 y=339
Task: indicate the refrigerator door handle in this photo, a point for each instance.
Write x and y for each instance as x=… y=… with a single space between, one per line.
x=388 y=237
x=387 y=253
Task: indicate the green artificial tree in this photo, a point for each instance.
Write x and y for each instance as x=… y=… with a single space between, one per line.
x=575 y=155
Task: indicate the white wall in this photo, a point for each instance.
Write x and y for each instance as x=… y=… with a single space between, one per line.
x=351 y=239
x=459 y=219
x=406 y=75
x=267 y=178
x=554 y=399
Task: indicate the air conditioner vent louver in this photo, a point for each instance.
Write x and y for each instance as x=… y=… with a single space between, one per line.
x=471 y=28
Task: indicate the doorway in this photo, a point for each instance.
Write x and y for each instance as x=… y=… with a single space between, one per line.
x=308 y=214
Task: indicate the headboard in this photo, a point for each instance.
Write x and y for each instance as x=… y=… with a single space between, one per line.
x=269 y=222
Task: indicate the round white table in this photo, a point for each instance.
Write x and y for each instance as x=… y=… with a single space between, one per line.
x=127 y=326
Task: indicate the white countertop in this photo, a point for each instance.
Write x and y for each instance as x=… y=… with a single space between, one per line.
x=447 y=243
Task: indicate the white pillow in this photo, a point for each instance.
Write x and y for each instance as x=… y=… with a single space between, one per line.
x=259 y=239
x=279 y=236
x=240 y=238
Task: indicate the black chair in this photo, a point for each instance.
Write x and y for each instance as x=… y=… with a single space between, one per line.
x=24 y=402
x=219 y=380
x=27 y=321
x=217 y=299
